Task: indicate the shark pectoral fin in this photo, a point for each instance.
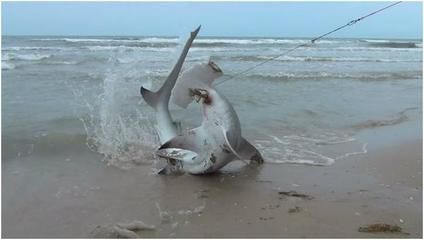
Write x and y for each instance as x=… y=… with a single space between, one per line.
x=231 y=147
x=180 y=154
x=248 y=151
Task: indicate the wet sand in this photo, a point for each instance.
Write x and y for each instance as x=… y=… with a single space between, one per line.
x=68 y=194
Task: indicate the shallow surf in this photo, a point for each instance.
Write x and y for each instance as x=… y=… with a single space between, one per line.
x=54 y=87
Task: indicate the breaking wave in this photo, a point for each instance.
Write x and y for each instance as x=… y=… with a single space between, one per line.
x=371 y=76
x=215 y=49
x=392 y=44
x=128 y=48
x=318 y=59
x=75 y=40
x=35 y=48
x=7 y=66
x=374 y=49
x=198 y=42
x=155 y=49
x=224 y=42
x=293 y=76
x=61 y=62
x=25 y=57
x=175 y=40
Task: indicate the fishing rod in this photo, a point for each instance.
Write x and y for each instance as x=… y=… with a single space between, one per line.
x=312 y=41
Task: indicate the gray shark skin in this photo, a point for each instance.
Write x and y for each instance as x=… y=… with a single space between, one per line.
x=217 y=141
x=159 y=100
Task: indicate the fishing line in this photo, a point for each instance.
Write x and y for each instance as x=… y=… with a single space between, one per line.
x=312 y=41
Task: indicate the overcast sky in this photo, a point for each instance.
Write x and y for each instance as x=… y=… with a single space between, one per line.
x=278 y=19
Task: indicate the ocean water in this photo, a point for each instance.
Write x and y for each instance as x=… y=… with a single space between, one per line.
x=68 y=94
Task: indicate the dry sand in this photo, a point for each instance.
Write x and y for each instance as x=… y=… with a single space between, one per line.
x=69 y=194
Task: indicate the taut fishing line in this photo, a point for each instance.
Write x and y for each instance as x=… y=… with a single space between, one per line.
x=312 y=41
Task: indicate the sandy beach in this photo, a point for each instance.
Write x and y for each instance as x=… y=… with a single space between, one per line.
x=53 y=197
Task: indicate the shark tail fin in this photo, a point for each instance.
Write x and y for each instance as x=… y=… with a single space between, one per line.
x=163 y=94
x=200 y=75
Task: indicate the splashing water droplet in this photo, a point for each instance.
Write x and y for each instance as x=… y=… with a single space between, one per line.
x=118 y=124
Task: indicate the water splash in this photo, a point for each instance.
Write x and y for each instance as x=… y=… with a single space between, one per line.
x=118 y=124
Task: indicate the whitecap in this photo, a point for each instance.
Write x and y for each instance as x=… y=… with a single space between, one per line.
x=336 y=75
x=7 y=66
x=160 y=40
x=128 y=48
x=320 y=59
x=200 y=40
x=25 y=57
x=34 y=48
x=62 y=62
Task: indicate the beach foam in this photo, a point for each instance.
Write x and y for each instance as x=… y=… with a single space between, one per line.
x=25 y=57
x=318 y=59
x=285 y=76
x=7 y=65
x=305 y=149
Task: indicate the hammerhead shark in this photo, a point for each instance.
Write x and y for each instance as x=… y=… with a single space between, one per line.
x=218 y=140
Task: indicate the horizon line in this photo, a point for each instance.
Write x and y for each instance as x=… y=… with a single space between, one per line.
x=207 y=36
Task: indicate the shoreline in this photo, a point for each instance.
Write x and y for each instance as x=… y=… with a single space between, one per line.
x=51 y=195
